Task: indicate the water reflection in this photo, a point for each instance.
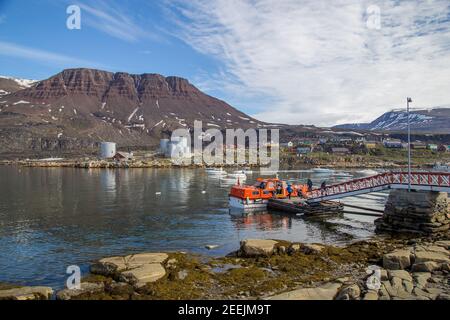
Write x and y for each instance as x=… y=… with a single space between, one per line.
x=53 y=217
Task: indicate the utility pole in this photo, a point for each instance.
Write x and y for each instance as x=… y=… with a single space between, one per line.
x=408 y=101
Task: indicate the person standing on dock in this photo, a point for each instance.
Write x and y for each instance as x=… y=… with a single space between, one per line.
x=289 y=191
x=310 y=185
x=323 y=186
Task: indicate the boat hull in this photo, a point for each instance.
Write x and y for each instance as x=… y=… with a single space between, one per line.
x=244 y=204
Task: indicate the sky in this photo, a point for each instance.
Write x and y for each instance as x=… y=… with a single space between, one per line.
x=317 y=62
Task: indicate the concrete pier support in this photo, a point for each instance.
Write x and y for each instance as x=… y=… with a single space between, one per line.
x=416 y=211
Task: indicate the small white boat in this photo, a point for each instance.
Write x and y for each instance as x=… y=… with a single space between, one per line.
x=238 y=174
x=342 y=174
x=368 y=172
x=323 y=170
x=216 y=171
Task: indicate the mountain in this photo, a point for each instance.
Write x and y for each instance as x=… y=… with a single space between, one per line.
x=77 y=108
x=10 y=85
x=433 y=120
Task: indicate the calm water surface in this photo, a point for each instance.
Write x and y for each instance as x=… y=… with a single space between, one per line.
x=53 y=218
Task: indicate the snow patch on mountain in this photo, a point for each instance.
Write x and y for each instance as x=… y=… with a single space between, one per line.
x=24 y=83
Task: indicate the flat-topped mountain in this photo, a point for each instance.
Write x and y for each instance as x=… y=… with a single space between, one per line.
x=78 y=107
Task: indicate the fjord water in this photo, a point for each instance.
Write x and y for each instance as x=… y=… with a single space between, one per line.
x=51 y=218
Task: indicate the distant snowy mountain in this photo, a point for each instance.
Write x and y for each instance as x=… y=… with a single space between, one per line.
x=24 y=83
x=10 y=85
x=424 y=120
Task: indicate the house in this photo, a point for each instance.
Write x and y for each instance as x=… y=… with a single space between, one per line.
x=340 y=150
x=418 y=145
x=432 y=147
x=289 y=144
x=370 y=144
x=123 y=156
x=393 y=144
x=303 y=150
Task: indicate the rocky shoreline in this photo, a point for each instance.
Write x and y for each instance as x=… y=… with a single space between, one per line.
x=376 y=269
x=166 y=163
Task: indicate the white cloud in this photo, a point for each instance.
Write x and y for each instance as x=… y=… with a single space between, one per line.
x=112 y=19
x=15 y=50
x=317 y=61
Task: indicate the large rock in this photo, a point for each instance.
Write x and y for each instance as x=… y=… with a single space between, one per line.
x=144 y=274
x=421 y=278
x=257 y=247
x=428 y=266
x=424 y=256
x=137 y=269
x=85 y=288
x=371 y=295
x=352 y=292
x=325 y=292
x=402 y=274
x=397 y=260
x=444 y=243
x=27 y=293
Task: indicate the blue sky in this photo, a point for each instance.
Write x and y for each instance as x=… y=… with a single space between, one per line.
x=292 y=61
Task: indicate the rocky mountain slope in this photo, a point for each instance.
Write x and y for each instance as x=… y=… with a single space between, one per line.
x=10 y=85
x=77 y=108
x=435 y=120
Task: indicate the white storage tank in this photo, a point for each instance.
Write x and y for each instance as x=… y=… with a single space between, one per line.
x=107 y=150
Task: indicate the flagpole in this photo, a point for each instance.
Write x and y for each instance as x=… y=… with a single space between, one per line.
x=408 y=100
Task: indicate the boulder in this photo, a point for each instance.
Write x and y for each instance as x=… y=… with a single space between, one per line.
x=443 y=296
x=371 y=295
x=111 y=266
x=144 y=274
x=27 y=293
x=444 y=243
x=421 y=278
x=351 y=291
x=257 y=247
x=438 y=249
x=428 y=266
x=85 y=288
x=397 y=260
x=137 y=269
x=324 y=292
x=312 y=248
x=402 y=274
x=424 y=256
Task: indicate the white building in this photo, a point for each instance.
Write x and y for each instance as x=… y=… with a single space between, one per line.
x=178 y=147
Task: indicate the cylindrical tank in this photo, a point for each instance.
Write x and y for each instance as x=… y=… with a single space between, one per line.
x=107 y=150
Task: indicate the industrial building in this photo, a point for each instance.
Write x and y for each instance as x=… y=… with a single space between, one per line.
x=177 y=147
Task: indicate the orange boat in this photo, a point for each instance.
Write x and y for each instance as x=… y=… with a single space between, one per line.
x=257 y=196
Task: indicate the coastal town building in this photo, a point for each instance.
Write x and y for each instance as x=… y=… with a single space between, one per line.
x=123 y=156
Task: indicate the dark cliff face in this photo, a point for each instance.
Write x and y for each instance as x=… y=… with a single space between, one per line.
x=95 y=105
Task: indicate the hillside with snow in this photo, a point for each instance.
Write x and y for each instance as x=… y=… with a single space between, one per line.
x=10 y=85
x=433 y=120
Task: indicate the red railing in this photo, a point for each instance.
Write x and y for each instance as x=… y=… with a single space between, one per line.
x=438 y=179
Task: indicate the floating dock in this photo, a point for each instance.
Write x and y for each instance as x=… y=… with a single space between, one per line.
x=295 y=206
